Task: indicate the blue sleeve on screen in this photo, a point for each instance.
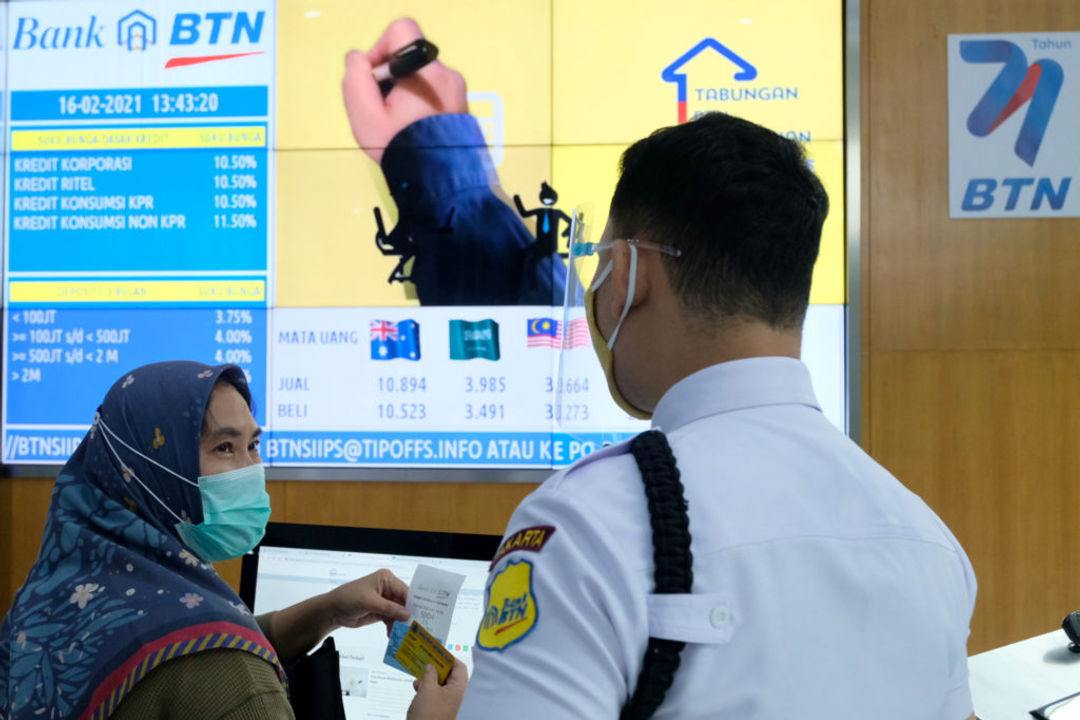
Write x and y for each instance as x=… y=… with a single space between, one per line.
x=471 y=247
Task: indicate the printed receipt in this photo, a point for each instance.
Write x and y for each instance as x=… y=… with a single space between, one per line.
x=432 y=598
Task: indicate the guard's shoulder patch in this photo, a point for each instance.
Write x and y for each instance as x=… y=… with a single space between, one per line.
x=511 y=612
x=532 y=539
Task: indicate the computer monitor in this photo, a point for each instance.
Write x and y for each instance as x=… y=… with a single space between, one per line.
x=294 y=562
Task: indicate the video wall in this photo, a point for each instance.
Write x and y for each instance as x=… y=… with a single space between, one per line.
x=191 y=180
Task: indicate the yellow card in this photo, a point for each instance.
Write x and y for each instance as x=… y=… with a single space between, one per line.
x=419 y=649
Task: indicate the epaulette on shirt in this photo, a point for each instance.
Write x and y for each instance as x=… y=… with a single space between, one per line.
x=621 y=448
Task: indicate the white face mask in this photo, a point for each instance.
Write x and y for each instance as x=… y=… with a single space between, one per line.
x=604 y=348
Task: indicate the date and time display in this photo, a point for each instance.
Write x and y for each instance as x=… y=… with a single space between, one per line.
x=138 y=104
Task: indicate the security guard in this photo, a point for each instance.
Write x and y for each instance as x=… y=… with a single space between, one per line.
x=820 y=587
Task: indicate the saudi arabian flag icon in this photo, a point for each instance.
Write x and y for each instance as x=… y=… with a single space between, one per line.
x=471 y=340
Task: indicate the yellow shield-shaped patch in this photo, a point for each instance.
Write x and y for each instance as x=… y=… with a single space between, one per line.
x=511 y=608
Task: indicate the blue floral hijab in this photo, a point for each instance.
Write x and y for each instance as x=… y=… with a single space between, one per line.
x=114 y=592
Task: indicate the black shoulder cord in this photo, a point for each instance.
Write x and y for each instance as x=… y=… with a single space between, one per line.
x=674 y=564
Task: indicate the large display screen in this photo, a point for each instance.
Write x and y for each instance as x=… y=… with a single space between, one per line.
x=191 y=180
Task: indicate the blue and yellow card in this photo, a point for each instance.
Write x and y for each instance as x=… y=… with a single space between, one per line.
x=419 y=649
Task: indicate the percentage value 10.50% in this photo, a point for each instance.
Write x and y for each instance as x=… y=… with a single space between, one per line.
x=235 y=162
x=235 y=182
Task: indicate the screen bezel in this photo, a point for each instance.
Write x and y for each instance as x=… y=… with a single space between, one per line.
x=852 y=102
x=350 y=473
x=423 y=543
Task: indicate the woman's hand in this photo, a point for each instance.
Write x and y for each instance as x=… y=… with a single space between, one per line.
x=379 y=596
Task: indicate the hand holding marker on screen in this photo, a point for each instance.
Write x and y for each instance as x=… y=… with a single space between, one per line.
x=404 y=63
x=428 y=88
x=467 y=254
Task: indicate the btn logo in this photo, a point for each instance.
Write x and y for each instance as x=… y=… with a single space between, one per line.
x=511 y=608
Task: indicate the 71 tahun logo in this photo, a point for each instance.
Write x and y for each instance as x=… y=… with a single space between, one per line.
x=1015 y=85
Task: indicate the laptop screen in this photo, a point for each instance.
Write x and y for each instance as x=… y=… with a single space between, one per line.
x=295 y=562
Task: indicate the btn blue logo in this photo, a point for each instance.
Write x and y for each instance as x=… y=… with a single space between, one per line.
x=1016 y=84
x=136 y=31
x=1010 y=151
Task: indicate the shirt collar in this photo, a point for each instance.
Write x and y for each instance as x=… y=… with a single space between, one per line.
x=735 y=385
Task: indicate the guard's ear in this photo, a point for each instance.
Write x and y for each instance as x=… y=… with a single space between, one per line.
x=622 y=264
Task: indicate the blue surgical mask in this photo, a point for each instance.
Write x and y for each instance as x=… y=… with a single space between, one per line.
x=236 y=508
x=235 y=504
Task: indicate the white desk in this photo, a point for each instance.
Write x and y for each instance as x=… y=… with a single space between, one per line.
x=1009 y=681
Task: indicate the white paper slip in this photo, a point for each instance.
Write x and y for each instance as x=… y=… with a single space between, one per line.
x=432 y=597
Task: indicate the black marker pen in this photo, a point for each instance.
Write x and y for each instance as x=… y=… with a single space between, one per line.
x=404 y=63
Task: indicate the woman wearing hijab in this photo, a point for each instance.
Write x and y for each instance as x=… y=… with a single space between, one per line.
x=122 y=615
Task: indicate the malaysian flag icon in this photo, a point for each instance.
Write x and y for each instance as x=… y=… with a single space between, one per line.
x=543 y=332
x=547 y=332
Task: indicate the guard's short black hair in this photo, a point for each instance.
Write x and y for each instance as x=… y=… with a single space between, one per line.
x=742 y=204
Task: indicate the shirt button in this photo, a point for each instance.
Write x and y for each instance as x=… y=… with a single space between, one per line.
x=720 y=617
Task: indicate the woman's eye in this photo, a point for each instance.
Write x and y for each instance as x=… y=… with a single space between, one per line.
x=254 y=445
x=224 y=447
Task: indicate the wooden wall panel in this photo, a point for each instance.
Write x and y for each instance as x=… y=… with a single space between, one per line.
x=25 y=516
x=937 y=283
x=971 y=346
x=989 y=441
x=451 y=507
x=7 y=551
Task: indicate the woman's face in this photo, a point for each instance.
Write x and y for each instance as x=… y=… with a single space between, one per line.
x=230 y=438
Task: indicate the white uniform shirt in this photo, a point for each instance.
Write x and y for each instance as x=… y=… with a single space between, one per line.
x=823 y=588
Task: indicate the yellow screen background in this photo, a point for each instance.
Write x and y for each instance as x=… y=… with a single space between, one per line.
x=579 y=81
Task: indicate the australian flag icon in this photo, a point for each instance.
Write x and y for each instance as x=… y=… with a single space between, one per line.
x=395 y=340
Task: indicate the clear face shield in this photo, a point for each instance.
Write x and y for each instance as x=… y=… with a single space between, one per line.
x=583 y=408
